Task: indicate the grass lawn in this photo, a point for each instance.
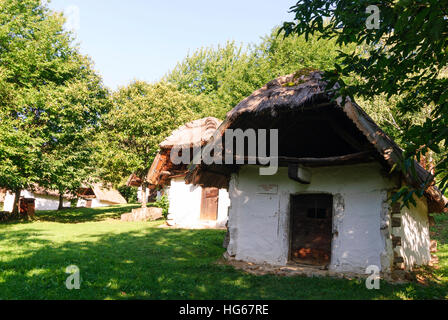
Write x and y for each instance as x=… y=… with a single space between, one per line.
x=140 y=261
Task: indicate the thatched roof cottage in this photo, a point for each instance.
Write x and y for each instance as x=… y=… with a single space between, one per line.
x=329 y=203
x=189 y=206
x=42 y=198
x=99 y=195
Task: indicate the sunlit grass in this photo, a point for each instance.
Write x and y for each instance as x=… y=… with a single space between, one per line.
x=138 y=260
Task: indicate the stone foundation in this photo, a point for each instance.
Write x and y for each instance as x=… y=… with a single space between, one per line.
x=294 y=269
x=143 y=214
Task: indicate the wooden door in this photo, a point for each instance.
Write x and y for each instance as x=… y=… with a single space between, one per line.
x=27 y=206
x=89 y=203
x=209 y=204
x=311 y=228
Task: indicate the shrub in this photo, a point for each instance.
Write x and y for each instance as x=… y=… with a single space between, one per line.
x=163 y=203
x=129 y=193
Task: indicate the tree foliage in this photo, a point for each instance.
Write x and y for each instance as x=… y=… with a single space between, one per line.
x=229 y=73
x=141 y=117
x=52 y=100
x=224 y=75
x=404 y=58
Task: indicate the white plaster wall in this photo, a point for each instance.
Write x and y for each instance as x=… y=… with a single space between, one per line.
x=81 y=203
x=139 y=194
x=185 y=205
x=42 y=202
x=9 y=202
x=259 y=220
x=223 y=207
x=99 y=204
x=49 y=203
x=414 y=233
x=95 y=203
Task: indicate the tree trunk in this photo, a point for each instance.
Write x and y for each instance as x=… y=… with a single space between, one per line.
x=61 y=201
x=144 y=195
x=15 y=207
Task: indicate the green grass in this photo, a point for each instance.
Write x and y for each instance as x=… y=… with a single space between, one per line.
x=141 y=261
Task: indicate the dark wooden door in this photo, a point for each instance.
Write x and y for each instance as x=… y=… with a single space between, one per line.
x=209 y=204
x=27 y=206
x=311 y=228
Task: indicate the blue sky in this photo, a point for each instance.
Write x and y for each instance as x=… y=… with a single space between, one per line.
x=144 y=39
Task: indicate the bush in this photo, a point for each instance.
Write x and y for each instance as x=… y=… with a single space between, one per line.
x=163 y=203
x=129 y=193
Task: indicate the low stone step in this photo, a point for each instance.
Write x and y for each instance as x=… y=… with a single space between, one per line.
x=143 y=214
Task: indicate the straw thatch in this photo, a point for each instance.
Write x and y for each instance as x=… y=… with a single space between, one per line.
x=134 y=181
x=38 y=190
x=295 y=94
x=108 y=195
x=193 y=134
x=102 y=193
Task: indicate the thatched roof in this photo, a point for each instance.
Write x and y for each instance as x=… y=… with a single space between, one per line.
x=102 y=193
x=295 y=94
x=134 y=181
x=194 y=133
x=38 y=191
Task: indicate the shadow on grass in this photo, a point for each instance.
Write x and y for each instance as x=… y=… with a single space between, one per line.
x=79 y=215
x=152 y=263
x=439 y=232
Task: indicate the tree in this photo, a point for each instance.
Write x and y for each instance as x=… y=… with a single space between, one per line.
x=285 y=55
x=51 y=99
x=141 y=117
x=80 y=105
x=229 y=73
x=404 y=57
x=225 y=75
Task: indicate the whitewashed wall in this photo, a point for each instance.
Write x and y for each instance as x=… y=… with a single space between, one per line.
x=185 y=205
x=414 y=233
x=9 y=202
x=49 y=203
x=95 y=203
x=42 y=202
x=259 y=219
x=223 y=207
x=139 y=194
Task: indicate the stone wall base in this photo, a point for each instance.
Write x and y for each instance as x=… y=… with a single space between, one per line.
x=143 y=214
x=292 y=269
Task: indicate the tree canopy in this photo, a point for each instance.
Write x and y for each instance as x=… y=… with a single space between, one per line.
x=229 y=73
x=141 y=117
x=405 y=57
x=52 y=100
